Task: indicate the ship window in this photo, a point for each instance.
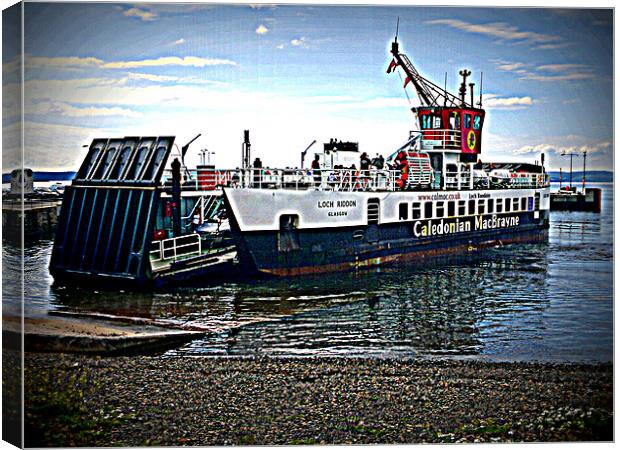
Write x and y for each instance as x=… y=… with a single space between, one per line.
x=507 y=204
x=439 y=209
x=472 y=207
x=524 y=204
x=416 y=211
x=515 y=204
x=451 y=209
x=467 y=121
x=403 y=211
x=481 y=203
x=477 y=121
x=462 y=211
x=436 y=122
x=530 y=203
x=500 y=205
x=426 y=121
x=428 y=210
x=490 y=205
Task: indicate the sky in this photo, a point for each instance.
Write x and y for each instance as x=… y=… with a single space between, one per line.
x=294 y=74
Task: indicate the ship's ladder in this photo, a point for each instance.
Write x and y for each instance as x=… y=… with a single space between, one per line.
x=420 y=171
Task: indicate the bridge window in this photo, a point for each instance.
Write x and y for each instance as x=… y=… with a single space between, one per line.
x=426 y=121
x=467 y=121
x=477 y=120
x=416 y=211
x=403 y=211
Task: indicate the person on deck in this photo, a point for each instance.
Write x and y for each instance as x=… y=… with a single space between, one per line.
x=258 y=165
x=316 y=170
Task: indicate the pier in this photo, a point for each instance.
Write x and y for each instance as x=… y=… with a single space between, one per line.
x=40 y=216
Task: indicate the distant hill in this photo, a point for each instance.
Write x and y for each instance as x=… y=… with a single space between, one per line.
x=593 y=176
x=44 y=176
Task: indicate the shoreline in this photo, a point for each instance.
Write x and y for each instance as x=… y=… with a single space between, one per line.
x=153 y=400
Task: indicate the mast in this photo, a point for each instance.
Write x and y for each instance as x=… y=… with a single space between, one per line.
x=428 y=92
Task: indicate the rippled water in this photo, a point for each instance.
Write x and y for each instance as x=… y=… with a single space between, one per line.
x=550 y=302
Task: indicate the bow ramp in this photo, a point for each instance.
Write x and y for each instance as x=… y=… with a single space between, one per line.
x=108 y=214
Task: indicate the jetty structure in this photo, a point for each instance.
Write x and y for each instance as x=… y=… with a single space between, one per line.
x=571 y=198
x=135 y=213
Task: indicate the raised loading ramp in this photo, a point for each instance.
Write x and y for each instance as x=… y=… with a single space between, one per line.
x=107 y=218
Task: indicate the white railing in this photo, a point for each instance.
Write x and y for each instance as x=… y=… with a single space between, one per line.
x=357 y=180
x=324 y=179
x=176 y=248
x=458 y=180
x=203 y=180
x=440 y=139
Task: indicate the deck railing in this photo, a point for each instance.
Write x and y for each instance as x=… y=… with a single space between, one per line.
x=440 y=139
x=175 y=248
x=351 y=179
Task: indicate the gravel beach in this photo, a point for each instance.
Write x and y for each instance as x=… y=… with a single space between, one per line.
x=131 y=401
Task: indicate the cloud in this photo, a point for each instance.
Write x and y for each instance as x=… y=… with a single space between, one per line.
x=301 y=42
x=560 y=67
x=262 y=29
x=547 y=72
x=188 y=61
x=179 y=41
x=51 y=147
x=55 y=108
x=553 y=46
x=562 y=149
x=141 y=14
x=280 y=46
x=502 y=31
x=509 y=67
x=70 y=62
x=61 y=61
x=492 y=101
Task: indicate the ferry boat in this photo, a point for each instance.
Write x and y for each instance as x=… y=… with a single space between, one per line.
x=435 y=199
x=135 y=214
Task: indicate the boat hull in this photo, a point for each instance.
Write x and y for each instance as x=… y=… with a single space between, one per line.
x=342 y=248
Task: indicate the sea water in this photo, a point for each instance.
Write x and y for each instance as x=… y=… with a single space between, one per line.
x=544 y=302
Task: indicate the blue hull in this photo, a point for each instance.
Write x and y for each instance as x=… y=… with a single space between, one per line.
x=310 y=251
